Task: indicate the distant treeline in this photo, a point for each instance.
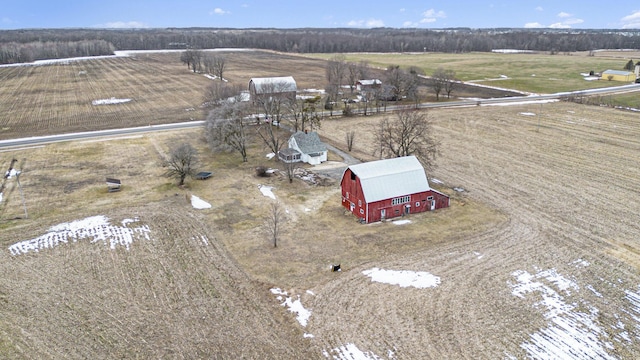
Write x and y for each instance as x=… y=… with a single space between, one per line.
x=17 y=52
x=22 y=45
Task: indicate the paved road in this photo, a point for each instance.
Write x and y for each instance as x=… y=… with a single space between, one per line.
x=32 y=141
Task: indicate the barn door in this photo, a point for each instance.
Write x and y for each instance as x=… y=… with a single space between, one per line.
x=433 y=205
x=383 y=214
x=407 y=209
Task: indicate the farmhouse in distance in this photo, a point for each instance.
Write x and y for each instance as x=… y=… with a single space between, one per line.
x=383 y=189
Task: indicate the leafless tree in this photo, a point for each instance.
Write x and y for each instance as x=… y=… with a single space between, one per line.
x=219 y=65
x=438 y=81
x=218 y=92
x=274 y=96
x=409 y=134
x=226 y=128
x=270 y=136
x=274 y=222
x=450 y=83
x=350 y=137
x=290 y=169
x=335 y=71
x=294 y=108
x=311 y=113
x=193 y=59
x=182 y=162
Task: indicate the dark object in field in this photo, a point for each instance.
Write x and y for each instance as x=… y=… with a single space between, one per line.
x=202 y=175
x=113 y=185
x=335 y=268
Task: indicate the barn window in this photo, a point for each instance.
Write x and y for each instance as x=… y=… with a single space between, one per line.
x=417 y=203
x=401 y=200
x=353 y=176
x=347 y=194
x=430 y=198
x=361 y=211
x=359 y=202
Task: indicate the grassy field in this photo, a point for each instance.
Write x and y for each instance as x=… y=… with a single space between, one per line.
x=538 y=253
x=534 y=73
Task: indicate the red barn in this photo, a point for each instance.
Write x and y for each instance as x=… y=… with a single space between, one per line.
x=383 y=189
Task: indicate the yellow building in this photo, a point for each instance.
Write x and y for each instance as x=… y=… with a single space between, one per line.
x=617 y=75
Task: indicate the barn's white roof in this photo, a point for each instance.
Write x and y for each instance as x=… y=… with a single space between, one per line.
x=390 y=178
x=274 y=84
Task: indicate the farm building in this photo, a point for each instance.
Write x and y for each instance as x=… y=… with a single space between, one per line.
x=311 y=150
x=617 y=75
x=378 y=190
x=270 y=87
x=368 y=85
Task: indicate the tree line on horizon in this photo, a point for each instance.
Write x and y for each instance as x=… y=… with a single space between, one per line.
x=27 y=45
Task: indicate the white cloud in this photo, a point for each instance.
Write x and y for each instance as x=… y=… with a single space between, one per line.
x=563 y=14
x=573 y=21
x=409 y=24
x=539 y=8
x=533 y=25
x=371 y=23
x=631 y=21
x=219 y=11
x=123 y=25
x=431 y=16
x=402 y=10
x=559 y=26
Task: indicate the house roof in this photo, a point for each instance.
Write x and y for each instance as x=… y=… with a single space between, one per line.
x=390 y=178
x=370 y=82
x=617 y=72
x=274 y=84
x=309 y=143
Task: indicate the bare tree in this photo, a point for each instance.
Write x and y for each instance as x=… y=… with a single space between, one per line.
x=290 y=168
x=270 y=137
x=182 y=162
x=350 y=137
x=311 y=113
x=409 y=134
x=226 y=129
x=274 y=222
x=450 y=83
x=218 y=92
x=335 y=71
x=438 y=81
x=193 y=59
x=275 y=95
x=219 y=65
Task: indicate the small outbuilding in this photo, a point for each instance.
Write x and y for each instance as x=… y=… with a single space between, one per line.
x=383 y=189
x=308 y=144
x=368 y=85
x=618 y=75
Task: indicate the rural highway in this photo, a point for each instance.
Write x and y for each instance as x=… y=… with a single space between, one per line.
x=40 y=140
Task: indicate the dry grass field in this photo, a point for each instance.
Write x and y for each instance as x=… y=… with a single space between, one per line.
x=538 y=257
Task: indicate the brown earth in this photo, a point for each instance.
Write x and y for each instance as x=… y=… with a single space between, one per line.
x=540 y=192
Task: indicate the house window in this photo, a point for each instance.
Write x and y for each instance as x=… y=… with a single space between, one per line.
x=401 y=200
x=361 y=211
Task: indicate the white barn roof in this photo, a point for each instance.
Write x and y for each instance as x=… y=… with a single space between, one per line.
x=274 y=84
x=390 y=178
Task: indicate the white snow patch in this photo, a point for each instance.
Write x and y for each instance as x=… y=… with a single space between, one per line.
x=0 y=197
x=95 y=228
x=270 y=155
x=571 y=333
x=267 y=191
x=305 y=335
x=11 y=173
x=350 y=352
x=310 y=293
x=433 y=180
x=403 y=278
x=401 y=222
x=295 y=306
x=111 y=101
x=527 y=114
x=198 y=203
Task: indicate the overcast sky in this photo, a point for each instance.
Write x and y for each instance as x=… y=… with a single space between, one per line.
x=577 y=14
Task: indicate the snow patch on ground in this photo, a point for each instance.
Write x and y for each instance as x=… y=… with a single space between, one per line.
x=403 y=278
x=351 y=352
x=402 y=222
x=295 y=306
x=267 y=191
x=94 y=228
x=111 y=101
x=573 y=331
x=198 y=203
x=527 y=114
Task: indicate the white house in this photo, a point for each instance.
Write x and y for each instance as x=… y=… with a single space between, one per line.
x=308 y=144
